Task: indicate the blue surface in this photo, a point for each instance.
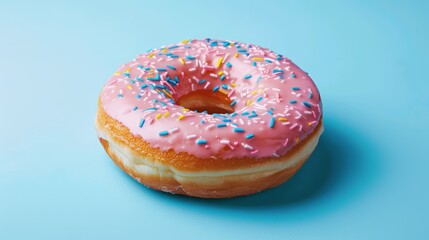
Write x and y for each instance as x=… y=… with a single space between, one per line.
x=366 y=180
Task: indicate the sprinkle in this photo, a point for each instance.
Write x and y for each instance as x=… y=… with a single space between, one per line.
x=311 y=95
x=156 y=78
x=161 y=69
x=166 y=114
x=120 y=95
x=228 y=64
x=293 y=75
x=254 y=64
x=143 y=86
x=247 y=76
x=222 y=77
x=135 y=108
x=150 y=109
x=201 y=141
x=282 y=119
x=181 y=117
x=191 y=136
x=278 y=71
x=224 y=141
x=214 y=43
x=258 y=59
x=296 y=88
x=141 y=123
x=171 y=67
x=220 y=73
x=224 y=86
x=292 y=101
x=220 y=125
x=219 y=61
x=272 y=122
x=163 y=133
x=226 y=120
x=236 y=55
x=190 y=57
x=246 y=146
x=182 y=61
x=307 y=104
x=158 y=116
x=215 y=88
x=250 y=135
x=239 y=130
x=259 y=99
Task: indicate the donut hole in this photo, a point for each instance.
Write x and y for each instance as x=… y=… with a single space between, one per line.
x=206 y=100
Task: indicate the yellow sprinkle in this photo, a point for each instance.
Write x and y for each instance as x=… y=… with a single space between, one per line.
x=233 y=84
x=181 y=60
x=185 y=41
x=297 y=139
x=166 y=114
x=219 y=61
x=128 y=86
x=220 y=73
x=117 y=73
x=127 y=70
x=150 y=55
x=258 y=59
x=181 y=117
x=260 y=90
x=248 y=102
x=236 y=55
x=168 y=94
x=223 y=91
x=283 y=119
x=185 y=109
x=253 y=92
x=164 y=50
x=158 y=115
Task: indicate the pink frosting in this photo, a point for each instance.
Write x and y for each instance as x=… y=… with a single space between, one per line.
x=276 y=104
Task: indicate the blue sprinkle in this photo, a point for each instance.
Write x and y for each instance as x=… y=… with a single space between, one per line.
x=163 y=133
x=270 y=112
x=240 y=130
x=135 y=108
x=172 y=82
x=138 y=96
x=279 y=58
x=225 y=44
x=220 y=125
x=222 y=77
x=224 y=86
x=272 y=121
x=173 y=56
x=201 y=141
x=268 y=61
x=293 y=75
x=242 y=50
x=218 y=115
x=233 y=103
x=161 y=69
x=155 y=100
x=228 y=64
x=234 y=114
x=162 y=103
x=127 y=74
x=278 y=70
x=152 y=86
x=248 y=76
x=139 y=79
x=156 y=78
x=311 y=95
x=171 y=67
x=250 y=135
x=149 y=109
x=140 y=66
x=149 y=50
x=187 y=46
x=190 y=57
x=203 y=122
x=143 y=86
x=120 y=95
x=215 y=88
x=307 y=104
x=161 y=86
x=141 y=123
x=202 y=81
x=292 y=101
x=245 y=113
x=173 y=47
x=296 y=88
x=176 y=79
x=259 y=79
x=212 y=44
x=147 y=68
x=259 y=99
x=226 y=120
x=254 y=64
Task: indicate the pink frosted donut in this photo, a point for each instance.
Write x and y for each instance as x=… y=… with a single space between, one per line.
x=209 y=118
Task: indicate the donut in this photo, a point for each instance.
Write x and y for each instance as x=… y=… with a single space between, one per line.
x=209 y=118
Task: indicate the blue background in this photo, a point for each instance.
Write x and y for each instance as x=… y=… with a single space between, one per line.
x=366 y=180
